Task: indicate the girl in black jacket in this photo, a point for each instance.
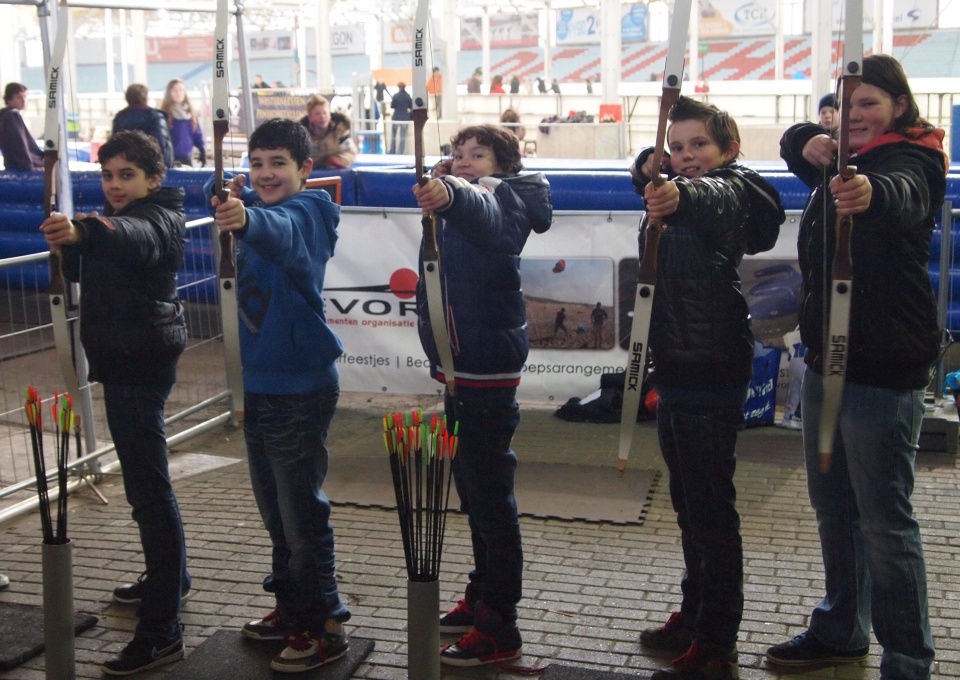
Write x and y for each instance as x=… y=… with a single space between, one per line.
x=714 y=211
x=872 y=553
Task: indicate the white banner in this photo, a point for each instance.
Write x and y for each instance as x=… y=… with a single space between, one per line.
x=916 y=14
x=584 y=259
x=580 y=26
x=724 y=18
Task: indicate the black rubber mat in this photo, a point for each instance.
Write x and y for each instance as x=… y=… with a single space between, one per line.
x=21 y=632
x=555 y=672
x=227 y=654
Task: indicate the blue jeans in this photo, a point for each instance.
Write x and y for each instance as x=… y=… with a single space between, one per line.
x=135 y=419
x=698 y=439
x=286 y=449
x=872 y=554
x=484 y=470
x=398 y=140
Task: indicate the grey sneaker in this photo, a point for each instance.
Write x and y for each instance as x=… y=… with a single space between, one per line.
x=306 y=651
x=144 y=652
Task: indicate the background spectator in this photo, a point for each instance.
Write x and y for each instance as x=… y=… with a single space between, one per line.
x=259 y=83
x=435 y=88
x=515 y=84
x=401 y=104
x=473 y=85
x=541 y=86
x=331 y=143
x=140 y=116
x=19 y=148
x=496 y=85
x=555 y=86
x=828 y=111
x=185 y=131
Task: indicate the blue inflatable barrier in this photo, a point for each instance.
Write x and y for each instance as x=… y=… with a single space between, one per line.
x=385 y=182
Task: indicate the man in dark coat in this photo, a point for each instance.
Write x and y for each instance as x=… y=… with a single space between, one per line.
x=19 y=148
x=140 y=116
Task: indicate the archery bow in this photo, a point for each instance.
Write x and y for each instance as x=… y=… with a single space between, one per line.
x=431 y=254
x=836 y=342
x=647 y=276
x=57 y=290
x=229 y=312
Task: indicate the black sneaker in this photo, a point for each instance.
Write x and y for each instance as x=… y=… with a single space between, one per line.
x=459 y=619
x=306 y=651
x=476 y=648
x=144 y=652
x=270 y=627
x=701 y=662
x=673 y=636
x=132 y=593
x=807 y=650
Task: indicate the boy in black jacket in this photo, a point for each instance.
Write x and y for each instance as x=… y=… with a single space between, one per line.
x=714 y=211
x=133 y=331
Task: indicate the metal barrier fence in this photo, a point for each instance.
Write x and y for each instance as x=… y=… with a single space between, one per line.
x=199 y=400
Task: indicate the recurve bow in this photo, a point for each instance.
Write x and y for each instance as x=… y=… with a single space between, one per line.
x=431 y=254
x=229 y=312
x=57 y=290
x=647 y=276
x=836 y=344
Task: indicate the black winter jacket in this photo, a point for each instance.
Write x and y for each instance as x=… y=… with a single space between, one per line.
x=894 y=337
x=131 y=322
x=480 y=236
x=151 y=121
x=700 y=335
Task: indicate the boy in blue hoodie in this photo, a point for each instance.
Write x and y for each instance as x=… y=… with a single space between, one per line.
x=291 y=386
x=486 y=212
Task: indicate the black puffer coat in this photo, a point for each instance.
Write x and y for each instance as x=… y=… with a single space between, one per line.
x=480 y=236
x=894 y=336
x=131 y=322
x=700 y=335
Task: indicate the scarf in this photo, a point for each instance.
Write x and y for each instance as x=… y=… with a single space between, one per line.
x=931 y=139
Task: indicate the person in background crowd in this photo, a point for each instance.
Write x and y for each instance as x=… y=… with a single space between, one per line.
x=514 y=84
x=140 y=116
x=476 y=80
x=829 y=112
x=589 y=86
x=185 y=131
x=435 y=89
x=331 y=143
x=496 y=85
x=259 y=83
x=873 y=562
x=555 y=86
x=402 y=104
x=541 y=85
x=510 y=120
x=20 y=150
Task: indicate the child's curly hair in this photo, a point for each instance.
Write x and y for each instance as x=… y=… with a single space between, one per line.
x=503 y=143
x=138 y=148
x=720 y=124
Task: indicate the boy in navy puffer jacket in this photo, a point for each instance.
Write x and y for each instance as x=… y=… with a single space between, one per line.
x=486 y=212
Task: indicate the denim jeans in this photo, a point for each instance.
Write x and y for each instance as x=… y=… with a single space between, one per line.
x=135 y=419
x=484 y=470
x=286 y=449
x=698 y=439
x=872 y=553
x=398 y=140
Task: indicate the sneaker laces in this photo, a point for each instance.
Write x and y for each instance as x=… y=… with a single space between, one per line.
x=300 y=641
x=471 y=640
